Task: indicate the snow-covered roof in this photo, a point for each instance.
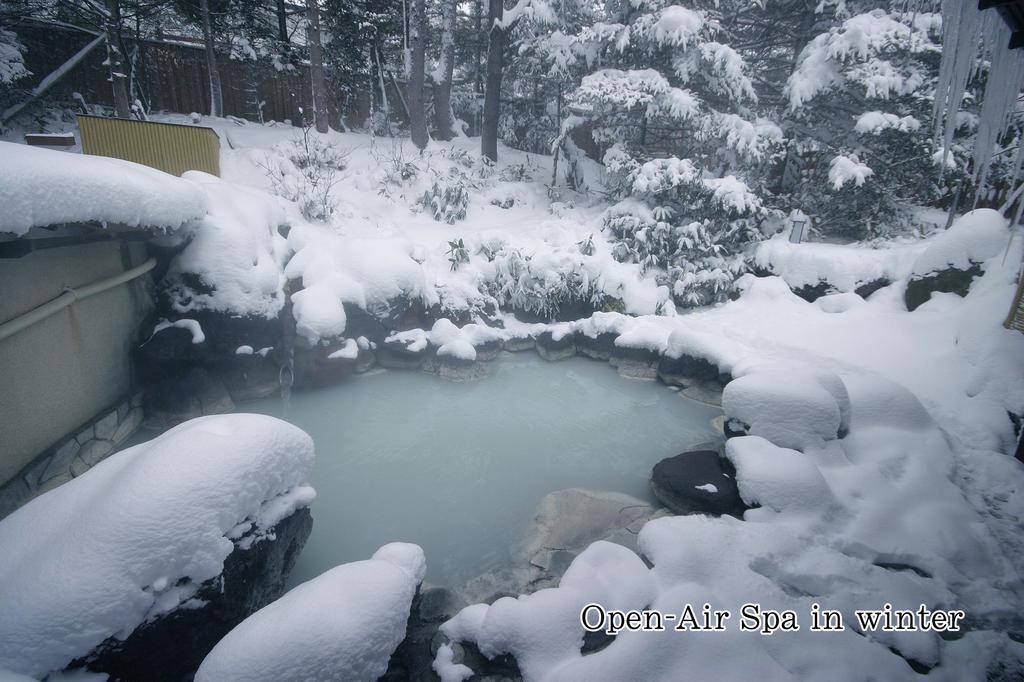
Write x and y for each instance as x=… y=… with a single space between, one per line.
x=42 y=187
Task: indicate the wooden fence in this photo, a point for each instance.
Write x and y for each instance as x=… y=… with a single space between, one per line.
x=171 y=76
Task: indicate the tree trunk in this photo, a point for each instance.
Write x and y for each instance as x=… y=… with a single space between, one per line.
x=492 y=94
x=478 y=83
x=316 y=67
x=115 y=60
x=443 y=89
x=417 y=113
x=216 y=95
x=282 y=21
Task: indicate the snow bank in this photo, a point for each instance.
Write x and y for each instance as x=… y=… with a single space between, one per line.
x=844 y=267
x=236 y=253
x=40 y=187
x=135 y=535
x=836 y=522
x=342 y=625
x=972 y=238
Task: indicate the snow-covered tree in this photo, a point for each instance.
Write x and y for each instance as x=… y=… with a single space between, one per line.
x=861 y=96
x=12 y=64
x=671 y=103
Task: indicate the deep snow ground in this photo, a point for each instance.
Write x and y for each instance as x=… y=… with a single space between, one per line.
x=924 y=478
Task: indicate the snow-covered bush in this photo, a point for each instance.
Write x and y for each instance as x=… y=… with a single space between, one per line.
x=543 y=286
x=12 y=64
x=305 y=171
x=694 y=229
x=448 y=196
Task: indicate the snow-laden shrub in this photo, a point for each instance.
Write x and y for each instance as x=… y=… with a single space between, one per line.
x=305 y=170
x=12 y=65
x=543 y=290
x=692 y=228
x=448 y=196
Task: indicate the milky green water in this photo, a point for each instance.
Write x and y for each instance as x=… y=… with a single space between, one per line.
x=459 y=468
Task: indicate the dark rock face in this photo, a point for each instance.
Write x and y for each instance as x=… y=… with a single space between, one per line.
x=315 y=366
x=641 y=362
x=685 y=368
x=488 y=350
x=250 y=377
x=171 y=647
x=950 y=281
x=812 y=292
x=734 y=427
x=600 y=347
x=414 y=657
x=550 y=349
x=867 y=288
x=358 y=323
x=398 y=355
x=177 y=399
x=675 y=482
x=166 y=353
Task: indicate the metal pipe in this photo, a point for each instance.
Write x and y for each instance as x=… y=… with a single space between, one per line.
x=26 y=320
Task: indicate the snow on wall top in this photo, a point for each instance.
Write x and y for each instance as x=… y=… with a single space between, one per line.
x=40 y=187
x=135 y=535
x=237 y=251
x=341 y=625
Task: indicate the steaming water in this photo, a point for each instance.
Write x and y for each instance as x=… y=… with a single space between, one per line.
x=459 y=468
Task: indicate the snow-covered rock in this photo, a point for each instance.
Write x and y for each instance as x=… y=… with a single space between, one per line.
x=782 y=480
x=972 y=238
x=792 y=409
x=136 y=536
x=697 y=482
x=40 y=187
x=542 y=630
x=342 y=625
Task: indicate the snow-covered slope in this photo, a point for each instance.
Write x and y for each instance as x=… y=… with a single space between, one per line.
x=135 y=535
x=40 y=187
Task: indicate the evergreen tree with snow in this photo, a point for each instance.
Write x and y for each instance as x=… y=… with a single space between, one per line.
x=672 y=106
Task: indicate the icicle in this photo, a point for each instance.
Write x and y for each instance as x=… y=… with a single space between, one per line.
x=960 y=24
x=1005 y=80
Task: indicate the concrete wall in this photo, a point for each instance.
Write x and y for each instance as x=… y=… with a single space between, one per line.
x=60 y=374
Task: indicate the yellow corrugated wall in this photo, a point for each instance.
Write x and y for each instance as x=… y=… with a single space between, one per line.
x=1015 y=320
x=168 y=147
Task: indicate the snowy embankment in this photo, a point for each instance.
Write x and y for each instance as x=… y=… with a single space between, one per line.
x=41 y=187
x=342 y=625
x=864 y=496
x=138 y=534
x=876 y=454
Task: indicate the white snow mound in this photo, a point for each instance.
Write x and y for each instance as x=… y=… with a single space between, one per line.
x=777 y=478
x=40 y=187
x=972 y=238
x=791 y=408
x=135 y=535
x=342 y=625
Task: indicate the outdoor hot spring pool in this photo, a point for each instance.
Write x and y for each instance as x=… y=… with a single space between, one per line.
x=459 y=468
